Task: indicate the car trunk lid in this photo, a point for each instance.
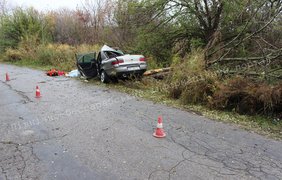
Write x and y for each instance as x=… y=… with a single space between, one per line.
x=131 y=59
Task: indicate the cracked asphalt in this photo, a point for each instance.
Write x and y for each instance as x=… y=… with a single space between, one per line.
x=78 y=130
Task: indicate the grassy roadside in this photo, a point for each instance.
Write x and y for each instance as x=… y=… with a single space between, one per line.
x=148 y=89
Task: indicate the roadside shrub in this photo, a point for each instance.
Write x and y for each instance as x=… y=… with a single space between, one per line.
x=12 y=55
x=82 y=48
x=45 y=54
x=189 y=82
x=60 y=56
x=157 y=44
x=152 y=63
x=199 y=88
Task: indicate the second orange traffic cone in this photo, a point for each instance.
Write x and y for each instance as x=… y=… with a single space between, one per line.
x=159 y=133
x=37 y=93
x=7 y=77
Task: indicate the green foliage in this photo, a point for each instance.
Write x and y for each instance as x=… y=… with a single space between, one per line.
x=60 y=56
x=189 y=82
x=152 y=63
x=136 y=32
x=158 y=44
x=21 y=25
x=12 y=55
x=197 y=43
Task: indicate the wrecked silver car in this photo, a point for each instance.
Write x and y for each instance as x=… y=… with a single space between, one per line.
x=111 y=64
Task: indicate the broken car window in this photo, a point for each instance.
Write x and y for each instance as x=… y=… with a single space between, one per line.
x=112 y=54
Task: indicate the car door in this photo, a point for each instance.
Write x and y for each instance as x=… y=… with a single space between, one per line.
x=87 y=64
x=99 y=63
x=103 y=62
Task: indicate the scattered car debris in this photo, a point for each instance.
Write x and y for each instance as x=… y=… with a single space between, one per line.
x=111 y=64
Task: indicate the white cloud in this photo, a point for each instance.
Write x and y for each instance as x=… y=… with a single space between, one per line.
x=43 y=5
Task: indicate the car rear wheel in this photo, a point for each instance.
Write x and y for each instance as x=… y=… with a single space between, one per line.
x=104 y=77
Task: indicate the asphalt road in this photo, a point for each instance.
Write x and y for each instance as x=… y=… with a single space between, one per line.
x=78 y=130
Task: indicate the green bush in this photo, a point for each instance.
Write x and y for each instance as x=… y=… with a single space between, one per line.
x=12 y=55
x=200 y=88
x=156 y=44
x=22 y=24
x=189 y=82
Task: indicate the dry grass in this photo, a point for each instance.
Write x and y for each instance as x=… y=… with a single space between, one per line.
x=247 y=97
x=59 y=56
x=189 y=82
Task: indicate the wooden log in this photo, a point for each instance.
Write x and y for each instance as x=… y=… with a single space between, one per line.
x=155 y=71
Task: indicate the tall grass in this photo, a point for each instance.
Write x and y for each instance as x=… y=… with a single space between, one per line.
x=59 y=56
x=189 y=81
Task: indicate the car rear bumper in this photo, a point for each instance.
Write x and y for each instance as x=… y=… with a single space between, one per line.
x=126 y=71
x=130 y=73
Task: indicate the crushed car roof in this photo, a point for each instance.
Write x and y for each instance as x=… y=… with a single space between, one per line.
x=107 y=48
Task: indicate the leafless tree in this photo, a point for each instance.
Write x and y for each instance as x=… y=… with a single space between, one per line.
x=99 y=13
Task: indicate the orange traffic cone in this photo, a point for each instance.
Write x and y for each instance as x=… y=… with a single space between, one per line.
x=7 y=77
x=37 y=93
x=159 y=133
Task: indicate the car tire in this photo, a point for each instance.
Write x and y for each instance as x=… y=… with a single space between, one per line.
x=104 y=77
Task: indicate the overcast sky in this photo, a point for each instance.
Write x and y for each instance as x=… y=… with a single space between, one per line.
x=43 y=5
